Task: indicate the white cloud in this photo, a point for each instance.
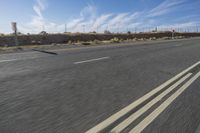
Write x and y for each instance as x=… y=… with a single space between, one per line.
x=38 y=22
x=165 y=7
x=131 y=17
x=89 y=20
x=102 y=20
x=180 y=25
x=85 y=21
x=117 y=19
x=39 y=7
x=88 y=12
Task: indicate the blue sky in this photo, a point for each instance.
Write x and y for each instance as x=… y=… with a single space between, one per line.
x=97 y=15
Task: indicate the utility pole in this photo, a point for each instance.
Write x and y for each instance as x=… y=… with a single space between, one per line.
x=97 y=29
x=128 y=29
x=65 y=28
x=83 y=28
x=43 y=28
x=117 y=28
x=107 y=27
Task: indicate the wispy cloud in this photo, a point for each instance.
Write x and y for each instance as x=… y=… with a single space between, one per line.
x=89 y=19
x=165 y=7
x=180 y=25
x=102 y=20
x=117 y=19
x=38 y=21
x=39 y=7
x=88 y=12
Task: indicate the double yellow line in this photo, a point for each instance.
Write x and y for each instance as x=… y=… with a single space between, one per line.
x=182 y=77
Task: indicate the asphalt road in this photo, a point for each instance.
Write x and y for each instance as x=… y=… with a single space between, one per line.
x=76 y=90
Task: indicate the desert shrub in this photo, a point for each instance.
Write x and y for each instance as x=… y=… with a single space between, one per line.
x=36 y=42
x=70 y=42
x=96 y=41
x=115 y=40
x=86 y=43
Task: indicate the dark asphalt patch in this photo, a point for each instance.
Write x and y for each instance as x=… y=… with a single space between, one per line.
x=43 y=51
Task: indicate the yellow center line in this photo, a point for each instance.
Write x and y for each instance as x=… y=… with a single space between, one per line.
x=141 y=111
x=150 y=118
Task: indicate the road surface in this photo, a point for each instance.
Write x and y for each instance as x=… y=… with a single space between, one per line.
x=150 y=88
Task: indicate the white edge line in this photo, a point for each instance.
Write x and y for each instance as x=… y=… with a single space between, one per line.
x=1 y=61
x=125 y=110
x=178 y=45
x=91 y=60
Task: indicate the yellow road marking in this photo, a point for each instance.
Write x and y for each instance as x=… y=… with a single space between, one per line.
x=141 y=111
x=101 y=126
x=142 y=125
